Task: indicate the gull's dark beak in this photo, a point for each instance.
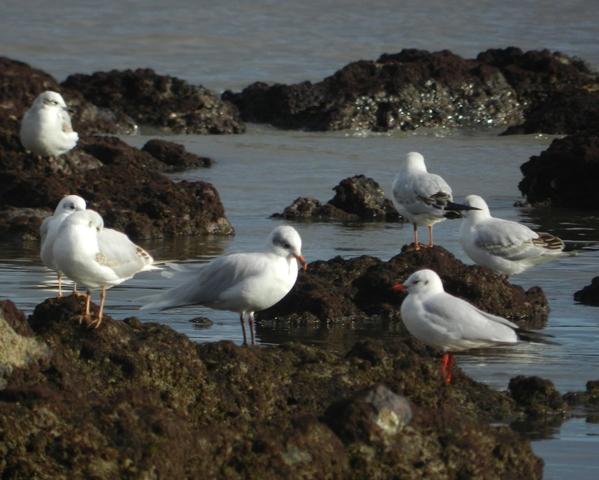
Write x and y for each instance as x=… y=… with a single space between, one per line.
x=399 y=288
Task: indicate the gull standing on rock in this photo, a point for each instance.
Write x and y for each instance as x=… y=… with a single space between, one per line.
x=49 y=229
x=423 y=198
x=46 y=127
x=503 y=245
x=240 y=282
x=96 y=257
x=451 y=324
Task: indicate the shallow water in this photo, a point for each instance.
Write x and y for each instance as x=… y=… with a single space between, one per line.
x=235 y=43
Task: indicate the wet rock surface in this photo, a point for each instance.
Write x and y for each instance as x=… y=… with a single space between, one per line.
x=174 y=156
x=562 y=113
x=566 y=174
x=589 y=295
x=356 y=198
x=537 y=396
x=339 y=290
x=162 y=101
x=109 y=402
x=417 y=88
x=122 y=183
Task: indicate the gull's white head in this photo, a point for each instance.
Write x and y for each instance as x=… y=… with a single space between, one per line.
x=86 y=219
x=50 y=99
x=414 y=161
x=423 y=281
x=477 y=202
x=286 y=242
x=70 y=204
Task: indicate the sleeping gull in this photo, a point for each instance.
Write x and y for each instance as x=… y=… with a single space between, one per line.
x=423 y=198
x=505 y=246
x=97 y=257
x=240 y=282
x=50 y=227
x=451 y=324
x=46 y=127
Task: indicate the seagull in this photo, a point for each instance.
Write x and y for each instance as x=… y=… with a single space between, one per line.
x=423 y=198
x=240 y=282
x=96 y=257
x=502 y=245
x=46 y=127
x=49 y=229
x=451 y=324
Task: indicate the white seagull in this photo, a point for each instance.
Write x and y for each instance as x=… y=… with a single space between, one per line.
x=423 y=198
x=450 y=324
x=49 y=229
x=505 y=246
x=240 y=282
x=96 y=257
x=46 y=127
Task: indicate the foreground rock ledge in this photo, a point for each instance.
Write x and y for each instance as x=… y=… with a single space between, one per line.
x=133 y=400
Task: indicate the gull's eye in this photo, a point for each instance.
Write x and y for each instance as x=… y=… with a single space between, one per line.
x=72 y=207
x=286 y=245
x=416 y=282
x=426 y=282
x=98 y=229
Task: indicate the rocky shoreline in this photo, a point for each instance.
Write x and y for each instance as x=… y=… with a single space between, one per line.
x=137 y=400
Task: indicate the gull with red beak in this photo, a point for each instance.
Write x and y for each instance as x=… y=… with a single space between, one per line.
x=240 y=282
x=451 y=324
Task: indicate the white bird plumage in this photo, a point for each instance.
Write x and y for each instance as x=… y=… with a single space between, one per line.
x=49 y=229
x=97 y=257
x=46 y=128
x=505 y=246
x=421 y=197
x=241 y=282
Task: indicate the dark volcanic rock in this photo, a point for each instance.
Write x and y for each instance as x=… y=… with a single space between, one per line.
x=562 y=113
x=407 y=90
x=537 y=396
x=356 y=198
x=373 y=415
x=589 y=295
x=162 y=101
x=111 y=402
x=416 y=88
x=20 y=84
x=566 y=174
x=175 y=155
x=338 y=289
x=146 y=205
x=537 y=73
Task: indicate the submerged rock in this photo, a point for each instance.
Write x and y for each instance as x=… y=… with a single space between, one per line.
x=337 y=290
x=109 y=402
x=162 y=101
x=589 y=295
x=356 y=198
x=566 y=174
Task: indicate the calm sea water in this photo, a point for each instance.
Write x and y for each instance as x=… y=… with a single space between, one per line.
x=259 y=173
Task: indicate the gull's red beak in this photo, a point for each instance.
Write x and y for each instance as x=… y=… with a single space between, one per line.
x=302 y=261
x=399 y=288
